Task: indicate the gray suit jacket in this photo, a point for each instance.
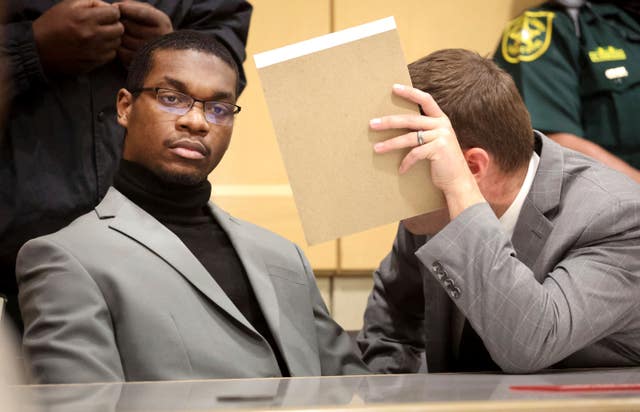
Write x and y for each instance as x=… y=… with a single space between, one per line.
x=117 y=296
x=564 y=291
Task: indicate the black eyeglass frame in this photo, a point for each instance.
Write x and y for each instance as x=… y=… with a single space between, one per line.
x=236 y=108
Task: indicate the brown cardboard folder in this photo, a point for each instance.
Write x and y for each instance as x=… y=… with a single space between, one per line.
x=321 y=94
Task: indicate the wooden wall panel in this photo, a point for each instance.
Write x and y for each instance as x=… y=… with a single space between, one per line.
x=363 y=251
x=253 y=157
x=349 y=300
x=251 y=181
x=429 y=25
x=324 y=285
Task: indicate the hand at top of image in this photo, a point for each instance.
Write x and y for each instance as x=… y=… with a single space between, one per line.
x=142 y=23
x=76 y=36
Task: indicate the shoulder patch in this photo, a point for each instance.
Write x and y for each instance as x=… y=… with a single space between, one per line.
x=527 y=37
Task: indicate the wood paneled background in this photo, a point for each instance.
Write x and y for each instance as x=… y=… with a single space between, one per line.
x=251 y=182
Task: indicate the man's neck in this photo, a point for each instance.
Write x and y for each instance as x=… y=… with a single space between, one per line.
x=502 y=188
x=157 y=196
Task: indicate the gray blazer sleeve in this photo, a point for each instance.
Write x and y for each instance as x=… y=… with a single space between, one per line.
x=527 y=325
x=68 y=329
x=392 y=338
x=336 y=351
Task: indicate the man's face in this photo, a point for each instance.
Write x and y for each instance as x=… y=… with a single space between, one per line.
x=178 y=148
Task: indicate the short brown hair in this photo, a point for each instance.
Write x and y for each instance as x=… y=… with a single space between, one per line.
x=482 y=102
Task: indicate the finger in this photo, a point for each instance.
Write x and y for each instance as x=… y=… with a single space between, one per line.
x=407 y=140
x=110 y=32
x=419 y=153
x=425 y=100
x=142 y=13
x=90 y=3
x=104 y=15
x=405 y=121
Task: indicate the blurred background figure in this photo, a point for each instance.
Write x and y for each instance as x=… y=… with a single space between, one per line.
x=577 y=66
x=11 y=371
x=61 y=144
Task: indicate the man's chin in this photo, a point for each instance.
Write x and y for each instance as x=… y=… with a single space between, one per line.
x=182 y=178
x=428 y=223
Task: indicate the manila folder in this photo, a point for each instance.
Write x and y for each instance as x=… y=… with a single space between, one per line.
x=321 y=94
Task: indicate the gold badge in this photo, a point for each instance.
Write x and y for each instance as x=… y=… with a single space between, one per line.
x=527 y=37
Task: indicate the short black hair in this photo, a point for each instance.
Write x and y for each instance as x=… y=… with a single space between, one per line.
x=177 y=40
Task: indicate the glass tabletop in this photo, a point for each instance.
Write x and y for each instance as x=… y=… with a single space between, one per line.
x=384 y=392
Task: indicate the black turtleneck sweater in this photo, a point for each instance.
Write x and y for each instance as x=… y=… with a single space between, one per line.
x=184 y=211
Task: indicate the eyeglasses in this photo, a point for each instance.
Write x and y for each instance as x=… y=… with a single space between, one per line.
x=175 y=102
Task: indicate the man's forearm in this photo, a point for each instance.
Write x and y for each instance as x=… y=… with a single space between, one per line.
x=527 y=325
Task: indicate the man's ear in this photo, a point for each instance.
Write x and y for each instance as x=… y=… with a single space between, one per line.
x=123 y=105
x=478 y=161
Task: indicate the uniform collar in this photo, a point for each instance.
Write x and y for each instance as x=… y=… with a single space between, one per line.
x=596 y=11
x=593 y=10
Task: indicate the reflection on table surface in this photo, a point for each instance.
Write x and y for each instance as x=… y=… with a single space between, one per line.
x=440 y=392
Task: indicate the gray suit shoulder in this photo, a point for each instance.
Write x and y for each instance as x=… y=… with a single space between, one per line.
x=600 y=182
x=84 y=229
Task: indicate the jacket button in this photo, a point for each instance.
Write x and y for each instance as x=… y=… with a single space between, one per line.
x=455 y=292
x=101 y=116
x=449 y=283
x=436 y=267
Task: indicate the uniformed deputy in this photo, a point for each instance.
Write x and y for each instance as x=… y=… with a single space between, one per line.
x=578 y=70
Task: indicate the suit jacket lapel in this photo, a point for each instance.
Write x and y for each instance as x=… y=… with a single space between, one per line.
x=132 y=221
x=533 y=227
x=251 y=253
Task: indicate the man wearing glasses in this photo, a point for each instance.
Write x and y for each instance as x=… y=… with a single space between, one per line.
x=157 y=283
x=61 y=144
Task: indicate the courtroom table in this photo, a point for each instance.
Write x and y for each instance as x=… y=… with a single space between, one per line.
x=405 y=393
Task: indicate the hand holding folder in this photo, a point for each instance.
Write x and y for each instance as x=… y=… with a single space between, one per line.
x=434 y=140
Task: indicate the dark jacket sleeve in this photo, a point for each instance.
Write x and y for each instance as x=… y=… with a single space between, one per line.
x=24 y=63
x=228 y=21
x=392 y=338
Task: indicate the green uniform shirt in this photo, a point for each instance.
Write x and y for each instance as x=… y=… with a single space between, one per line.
x=587 y=85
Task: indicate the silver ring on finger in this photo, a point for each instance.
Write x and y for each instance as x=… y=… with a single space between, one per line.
x=420 y=137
